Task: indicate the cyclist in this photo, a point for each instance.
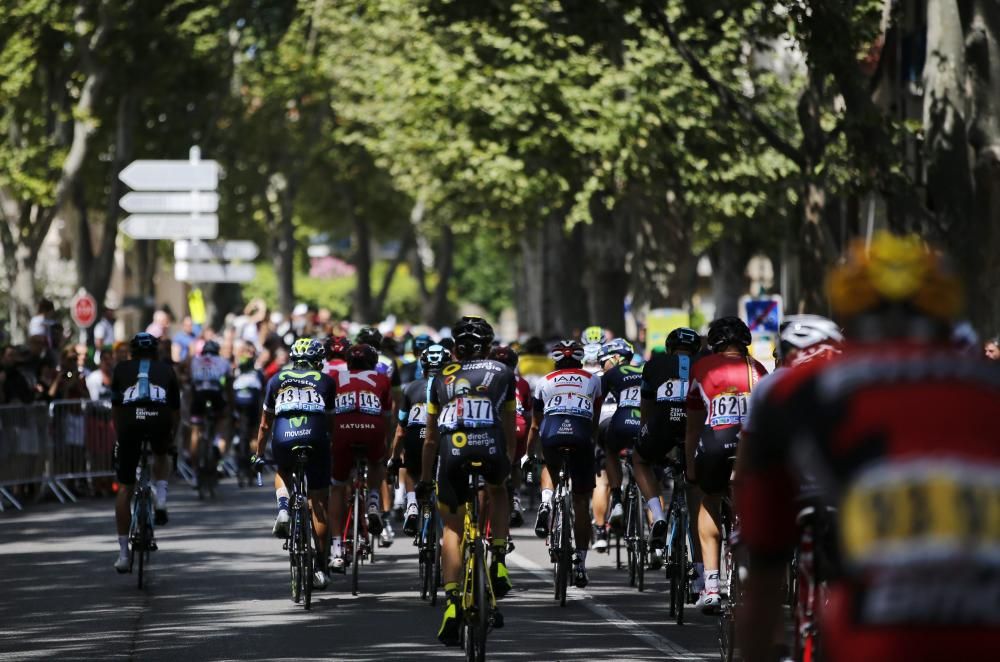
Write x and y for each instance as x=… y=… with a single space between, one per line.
x=248 y=395
x=893 y=433
x=364 y=417
x=717 y=405
x=566 y=409
x=412 y=370
x=336 y=351
x=388 y=366
x=522 y=396
x=407 y=448
x=534 y=362
x=622 y=382
x=298 y=411
x=804 y=338
x=146 y=401
x=471 y=418
x=211 y=382
x=663 y=416
x=592 y=339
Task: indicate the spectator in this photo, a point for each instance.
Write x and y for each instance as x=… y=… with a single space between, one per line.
x=68 y=383
x=40 y=324
x=279 y=361
x=99 y=381
x=13 y=386
x=182 y=340
x=992 y=348
x=160 y=325
x=120 y=351
x=104 y=332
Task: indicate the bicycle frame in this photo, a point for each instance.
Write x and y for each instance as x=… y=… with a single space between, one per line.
x=561 y=529
x=141 y=527
x=635 y=519
x=299 y=542
x=479 y=612
x=357 y=546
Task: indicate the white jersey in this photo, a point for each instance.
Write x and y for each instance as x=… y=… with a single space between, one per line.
x=570 y=392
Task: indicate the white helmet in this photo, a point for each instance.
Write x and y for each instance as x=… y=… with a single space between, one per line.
x=805 y=331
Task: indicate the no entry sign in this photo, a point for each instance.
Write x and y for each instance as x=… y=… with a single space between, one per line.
x=83 y=310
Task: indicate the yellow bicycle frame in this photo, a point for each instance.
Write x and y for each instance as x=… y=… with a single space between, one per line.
x=470 y=534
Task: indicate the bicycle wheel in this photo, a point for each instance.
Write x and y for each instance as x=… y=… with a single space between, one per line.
x=642 y=549
x=680 y=577
x=306 y=558
x=293 y=556
x=436 y=580
x=481 y=601
x=356 y=533
x=727 y=621
x=565 y=552
x=630 y=539
x=141 y=544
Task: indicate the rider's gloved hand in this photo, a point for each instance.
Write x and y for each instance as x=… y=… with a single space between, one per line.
x=256 y=463
x=424 y=490
x=392 y=466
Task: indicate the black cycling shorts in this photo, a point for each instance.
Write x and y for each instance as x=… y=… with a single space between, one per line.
x=152 y=424
x=713 y=464
x=199 y=403
x=622 y=431
x=458 y=449
x=413 y=450
x=580 y=464
x=305 y=430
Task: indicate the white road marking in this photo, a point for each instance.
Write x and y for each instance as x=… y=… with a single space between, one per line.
x=612 y=616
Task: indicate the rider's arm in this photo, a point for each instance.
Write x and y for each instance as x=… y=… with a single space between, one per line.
x=695 y=423
x=509 y=422
x=430 y=444
x=536 y=424
x=264 y=433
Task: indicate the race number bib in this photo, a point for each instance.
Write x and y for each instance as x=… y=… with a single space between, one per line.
x=418 y=414
x=728 y=409
x=672 y=390
x=365 y=402
x=467 y=412
x=630 y=397
x=247 y=382
x=570 y=404
x=298 y=399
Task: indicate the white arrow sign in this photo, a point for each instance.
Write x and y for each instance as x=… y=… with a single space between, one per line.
x=146 y=175
x=221 y=250
x=170 y=203
x=167 y=226
x=208 y=272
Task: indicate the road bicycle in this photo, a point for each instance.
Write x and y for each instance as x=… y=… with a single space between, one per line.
x=428 y=542
x=731 y=573
x=141 y=539
x=299 y=544
x=359 y=544
x=811 y=562
x=680 y=561
x=560 y=540
x=479 y=604
x=635 y=521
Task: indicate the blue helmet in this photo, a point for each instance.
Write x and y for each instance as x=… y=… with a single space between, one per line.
x=420 y=343
x=616 y=347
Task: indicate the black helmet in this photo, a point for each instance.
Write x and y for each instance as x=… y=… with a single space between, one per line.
x=369 y=335
x=307 y=350
x=362 y=357
x=143 y=343
x=683 y=338
x=567 y=353
x=473 y=336
x=727 y=331
x=210 y=348
x=421 y=342
x=506 y=355
x=434 y=358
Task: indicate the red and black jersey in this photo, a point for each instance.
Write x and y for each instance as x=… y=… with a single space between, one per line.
x=720 y=387
x=363 y=397
x=902 y=443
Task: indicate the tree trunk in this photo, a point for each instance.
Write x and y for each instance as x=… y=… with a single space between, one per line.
x=530 y=299
x=438 y=311
x=363 y=309
x=728 y=282
x=280 y=207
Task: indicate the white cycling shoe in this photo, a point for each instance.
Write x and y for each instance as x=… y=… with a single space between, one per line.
x=280 y=529
x=320 y=580
x=710 y=602
x=337 y=564
x=122 y=564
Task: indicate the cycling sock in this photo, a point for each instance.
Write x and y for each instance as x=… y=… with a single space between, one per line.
x=451 y=589
x=547 y=497
x=582 y=553
x=375 y=499
x=499 y=548
x=711 y=581
x=336 y=548
x=123 y=545
x=656 y=508
x=411 y=497
x=281 y=494
x=161 y=493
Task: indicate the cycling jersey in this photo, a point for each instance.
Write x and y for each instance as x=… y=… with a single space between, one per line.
x=522 y=414
x=567 y=400
x=468 y=399
x=301 y=400
x=901 y=443
x=248 y=389
x=362 y=408
x=334 y=366
x=209 y=374
x=389 y=367
x=144 y=392
x=622 y=383
x=410 y=371
x=720 y=393
x=665 y=381
x=413 y=420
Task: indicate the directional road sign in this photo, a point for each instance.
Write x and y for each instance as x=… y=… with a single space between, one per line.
x=145 y=175
x=170 y=203
x=209 y=272
x=216 y=250
x=170 y=226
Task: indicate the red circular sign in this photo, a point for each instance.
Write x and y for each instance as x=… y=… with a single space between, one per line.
x=83 y=310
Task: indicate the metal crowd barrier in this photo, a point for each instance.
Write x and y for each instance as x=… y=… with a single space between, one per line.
x=49 y=444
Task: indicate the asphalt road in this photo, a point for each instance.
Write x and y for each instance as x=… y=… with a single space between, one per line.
x=218 y=591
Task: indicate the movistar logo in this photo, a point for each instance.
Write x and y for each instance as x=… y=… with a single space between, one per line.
x=298 y=421
x=308 y=374
x=631 y=369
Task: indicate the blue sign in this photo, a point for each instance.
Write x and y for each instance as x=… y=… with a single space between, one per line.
x=763 y=315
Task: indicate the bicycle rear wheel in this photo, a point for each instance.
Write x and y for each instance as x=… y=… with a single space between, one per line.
x=356 y=534
x=680 y=578
x=436 y=580
x=306 y=558
x=565 y=553
x=642 y=549
x=293 y=556
x=140 y=545
x=727 y=614
x=480 y=619
x=631 y=540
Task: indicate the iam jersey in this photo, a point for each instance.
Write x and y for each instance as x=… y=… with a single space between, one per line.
x=624 y=384
x=522 y=408
x=720 y=389
x=567 y=400
x=468 y=399
x=903 y=445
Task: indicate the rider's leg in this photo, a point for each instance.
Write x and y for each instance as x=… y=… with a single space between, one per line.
x=123 y=509
x=600 y=497
x=318 y=504
x=581 y=523
x=161 y=472
x=338 y=504
x=709 y=536
x=649 y=486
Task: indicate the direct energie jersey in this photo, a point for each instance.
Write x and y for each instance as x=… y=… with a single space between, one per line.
x=471 y=395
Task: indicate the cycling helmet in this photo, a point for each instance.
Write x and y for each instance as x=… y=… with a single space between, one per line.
x=683 y=338
x=308 y=351
x=434 y=358
x=616 y=347
x=337 y=346
x=592 y=335
x=567 y=352
x=210 y=348
x=806 y=338
x=361 y=357
x=895 y=273
x=727 y=331
x=473 y=336
x=369 y=335
x=143 y=343
x=505 y=355
x=448 y=344
x=421 y=342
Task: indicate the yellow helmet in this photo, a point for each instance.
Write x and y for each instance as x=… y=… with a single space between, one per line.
x=894 y=270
